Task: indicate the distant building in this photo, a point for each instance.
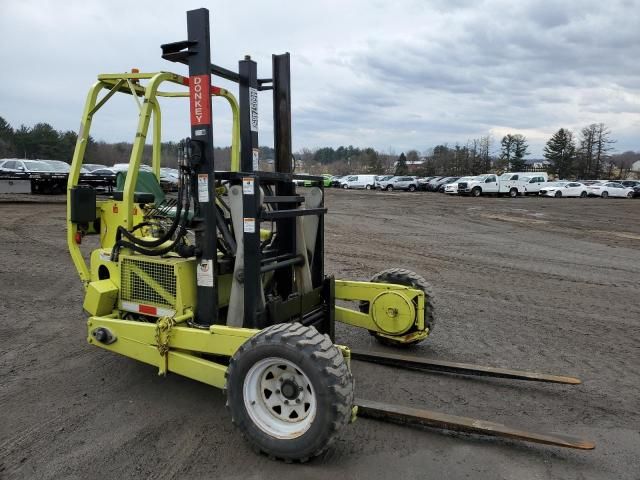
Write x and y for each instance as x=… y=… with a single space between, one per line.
x=412 y=165
x=537 y=163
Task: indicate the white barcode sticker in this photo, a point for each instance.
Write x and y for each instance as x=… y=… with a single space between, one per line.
x=204 y=273
x=203 y=187
x=256 y=159
x=247 y=186
x=249 y=225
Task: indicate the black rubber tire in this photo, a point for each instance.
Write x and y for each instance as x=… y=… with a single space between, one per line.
x=476 y=192
x=558 y=194
x=583 y=195
x=323 y=364
x=412 y=188
x=604 y=194
x=389 y=188
x=630 y=195
x=368 y=187
x=345 y=186
x=402 y=276
x=513 y=193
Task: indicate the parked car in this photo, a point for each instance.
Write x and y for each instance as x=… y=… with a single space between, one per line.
x=382 y=178
x=401 y=183
x=534 y=182
x=119 y=167
x=422 y=182
x=335 y=180
x=452 y=187
x=610 y=189
x=326 y=181
x=435 y=185
x=443 y=183
x=431 y=184
x=169 y=179
x=26 y=166
x=104 y=172
x=58 y=166
x=563 y=189
x=630 y=183
x=359 y=181
x=382 y=184
x=92 y=166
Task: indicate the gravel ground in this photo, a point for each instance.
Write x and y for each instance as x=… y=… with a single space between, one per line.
x=541 y=284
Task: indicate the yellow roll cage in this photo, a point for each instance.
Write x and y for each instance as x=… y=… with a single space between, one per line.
x=130 y=83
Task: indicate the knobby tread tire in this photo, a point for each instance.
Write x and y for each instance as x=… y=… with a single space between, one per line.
x=403 y=276
x=322 y=362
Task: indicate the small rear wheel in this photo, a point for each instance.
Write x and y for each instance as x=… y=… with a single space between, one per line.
x=389 y=188
x=583 y=195
x=412 y=188
x=513 y=193
x=345 y=186
x=630 y=195
x=558 y=194
x=402 y=276
x=605 y=194
x=368 y=187
x=289 y=391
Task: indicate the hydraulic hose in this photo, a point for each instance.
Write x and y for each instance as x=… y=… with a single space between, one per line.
x=145 y=247
x=176 y=221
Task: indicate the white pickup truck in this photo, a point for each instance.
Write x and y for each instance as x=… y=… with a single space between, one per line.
x=507 y=183
x=533 y=182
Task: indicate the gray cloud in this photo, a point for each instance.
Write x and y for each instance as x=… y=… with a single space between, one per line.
x=402 y=74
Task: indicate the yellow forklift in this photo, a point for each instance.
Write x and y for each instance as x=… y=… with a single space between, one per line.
x=224 y=283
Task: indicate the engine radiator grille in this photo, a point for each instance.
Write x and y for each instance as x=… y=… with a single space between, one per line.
x=147 y=282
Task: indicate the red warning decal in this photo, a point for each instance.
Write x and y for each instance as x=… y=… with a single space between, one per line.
x=200 y=99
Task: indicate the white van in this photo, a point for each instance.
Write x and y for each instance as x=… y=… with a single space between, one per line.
x=358 y=181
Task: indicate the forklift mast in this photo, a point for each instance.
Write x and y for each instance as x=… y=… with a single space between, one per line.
x=267 y=197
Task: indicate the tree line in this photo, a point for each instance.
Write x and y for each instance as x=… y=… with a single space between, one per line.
x=587 y=156
x=44 y=142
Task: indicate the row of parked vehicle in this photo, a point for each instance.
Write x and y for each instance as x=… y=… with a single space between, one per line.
x=512 y=184
x=168 y=176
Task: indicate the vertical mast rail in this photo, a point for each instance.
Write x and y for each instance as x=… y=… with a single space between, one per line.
x=199 y=60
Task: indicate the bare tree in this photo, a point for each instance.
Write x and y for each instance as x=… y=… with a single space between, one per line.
x=603 y=144
x=593 y=152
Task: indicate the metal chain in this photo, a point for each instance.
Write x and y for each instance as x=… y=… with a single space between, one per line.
x=163 y=334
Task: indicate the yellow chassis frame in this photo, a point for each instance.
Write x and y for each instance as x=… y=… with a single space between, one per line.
x=189 y=351
x=189 y=346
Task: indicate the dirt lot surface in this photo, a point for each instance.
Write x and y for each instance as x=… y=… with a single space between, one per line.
x=541 y=284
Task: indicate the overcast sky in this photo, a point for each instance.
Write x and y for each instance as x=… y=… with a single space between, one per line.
x=394 y=75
